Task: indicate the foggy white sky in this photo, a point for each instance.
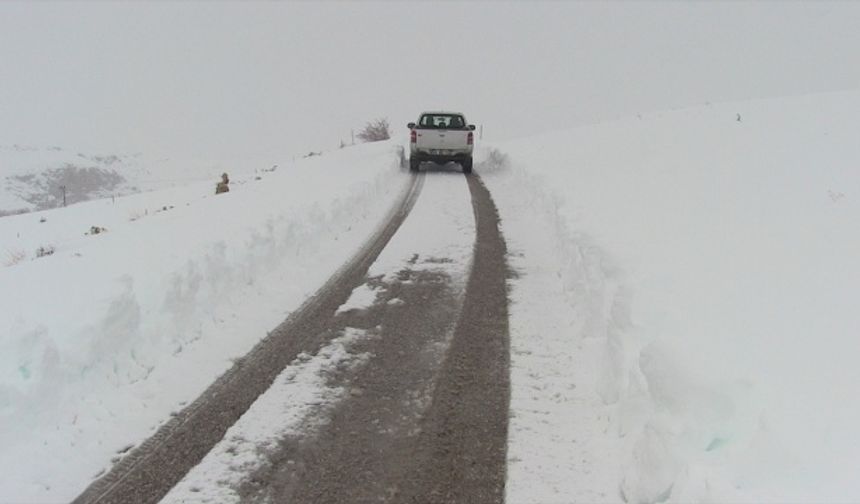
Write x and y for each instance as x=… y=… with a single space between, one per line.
x=260 y=79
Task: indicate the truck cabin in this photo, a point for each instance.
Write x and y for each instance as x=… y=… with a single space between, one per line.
x=442 y=121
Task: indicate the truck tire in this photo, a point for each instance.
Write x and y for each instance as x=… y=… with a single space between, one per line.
x=414 y=163
x=467 y=165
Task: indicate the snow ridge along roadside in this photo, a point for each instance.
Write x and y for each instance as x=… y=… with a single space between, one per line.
x=152 y=469
x=104 y=340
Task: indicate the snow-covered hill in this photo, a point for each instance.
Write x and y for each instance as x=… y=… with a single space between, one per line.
x=33 y=178
x=683 y=316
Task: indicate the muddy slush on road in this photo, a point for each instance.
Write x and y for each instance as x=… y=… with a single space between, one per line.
x=426 y=418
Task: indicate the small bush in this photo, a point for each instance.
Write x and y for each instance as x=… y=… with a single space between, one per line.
x=375 y=131
x=45 y=250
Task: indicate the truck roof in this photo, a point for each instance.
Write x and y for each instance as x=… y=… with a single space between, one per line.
x=441 y=112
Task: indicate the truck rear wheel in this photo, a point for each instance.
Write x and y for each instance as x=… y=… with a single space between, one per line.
x=414 y=163
x=467 y=165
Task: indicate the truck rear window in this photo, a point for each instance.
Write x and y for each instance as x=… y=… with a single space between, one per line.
x=442 y=121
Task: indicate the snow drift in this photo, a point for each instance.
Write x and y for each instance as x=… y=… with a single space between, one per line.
x=684 y=327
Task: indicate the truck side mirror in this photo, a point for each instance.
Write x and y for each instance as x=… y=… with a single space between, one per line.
x=412 y=125
x=472 y=127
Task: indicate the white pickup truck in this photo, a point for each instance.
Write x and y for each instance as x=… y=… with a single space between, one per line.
x=441 y=137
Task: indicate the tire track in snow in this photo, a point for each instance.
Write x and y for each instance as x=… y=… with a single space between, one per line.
x=462 y=453
x=428 y=418
x=153 y=468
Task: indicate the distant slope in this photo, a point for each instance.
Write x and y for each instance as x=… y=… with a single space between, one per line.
x=32 y=178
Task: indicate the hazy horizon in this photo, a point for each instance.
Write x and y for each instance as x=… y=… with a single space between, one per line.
x=229 y=80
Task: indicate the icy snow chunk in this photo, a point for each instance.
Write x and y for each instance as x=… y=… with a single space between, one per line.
x=362 y=297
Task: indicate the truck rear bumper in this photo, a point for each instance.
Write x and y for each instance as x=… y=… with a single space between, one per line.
x=440 y=157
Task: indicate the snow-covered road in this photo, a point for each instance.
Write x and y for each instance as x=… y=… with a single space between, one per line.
x=391 y=371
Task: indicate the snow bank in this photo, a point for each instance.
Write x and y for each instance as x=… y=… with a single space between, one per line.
x=684 y=328
x=101 y=340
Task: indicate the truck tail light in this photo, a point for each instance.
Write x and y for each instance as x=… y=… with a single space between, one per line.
x=470 y=139
x=414 y=137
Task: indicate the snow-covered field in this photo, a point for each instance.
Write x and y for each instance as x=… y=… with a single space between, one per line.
x=683 y=310
x=685 y=323
x=33 y=177
x=101 y=340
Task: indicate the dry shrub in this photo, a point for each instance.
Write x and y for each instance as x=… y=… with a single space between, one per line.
x=45 y=250
x=375 y=131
